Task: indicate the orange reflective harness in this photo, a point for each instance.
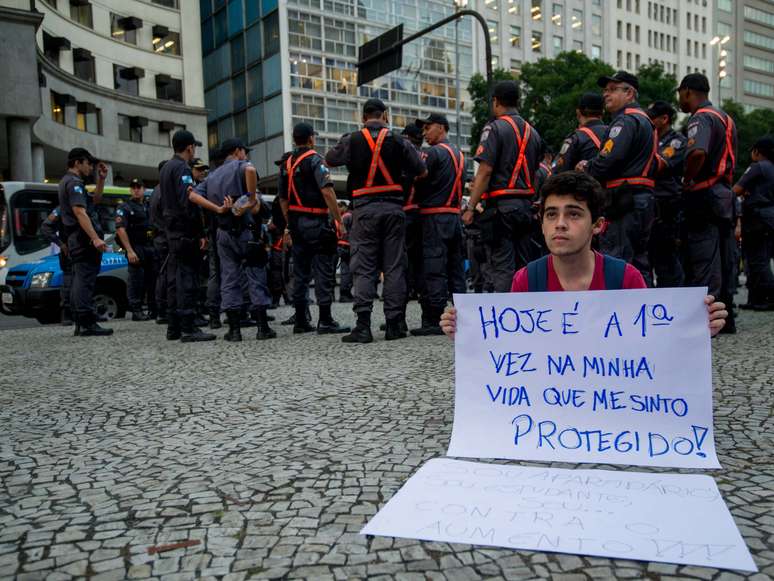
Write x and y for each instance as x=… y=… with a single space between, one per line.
x=591 y=135
x=453 y=203
x=376 y=162
x=643 y=179
x=724 y=169
x=294 y=200
x=521 y=143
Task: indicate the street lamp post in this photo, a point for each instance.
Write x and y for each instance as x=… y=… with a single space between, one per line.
x=722 y=55
x=458 y=5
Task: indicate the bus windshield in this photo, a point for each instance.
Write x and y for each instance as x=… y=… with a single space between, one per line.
x=29 y=209
x=5 y=231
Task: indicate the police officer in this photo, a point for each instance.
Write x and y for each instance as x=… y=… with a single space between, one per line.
x=185 y=236
x=52 y=231
x=626 y=166
x=160 y=252
x=243 y=257
x=757 y=188
x=509 y=155
x=308 y=203
x=709 y=247
x=439 y=196
x=376 y=159
x=413 y=134
x=545 y=169
x=664 y=256
x=583 y=143
x=134 y=232
x=84 y=236
x=199 y=170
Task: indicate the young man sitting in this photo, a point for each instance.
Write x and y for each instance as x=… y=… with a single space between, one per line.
x=571 y=206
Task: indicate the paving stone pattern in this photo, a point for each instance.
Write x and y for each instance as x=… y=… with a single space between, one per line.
x=266 y=459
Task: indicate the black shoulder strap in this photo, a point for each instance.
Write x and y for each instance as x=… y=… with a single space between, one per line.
x=614 y=269
x=537 y=275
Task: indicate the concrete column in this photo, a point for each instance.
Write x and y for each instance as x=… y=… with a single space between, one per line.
x=38 y=163
x=20 y=149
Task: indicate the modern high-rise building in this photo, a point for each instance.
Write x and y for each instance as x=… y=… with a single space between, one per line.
x=673 y=33
x=744 y=51
x=118 y=77
x=269 y=65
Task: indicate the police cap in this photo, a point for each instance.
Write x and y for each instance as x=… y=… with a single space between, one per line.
x=199 y=164
x=412 y=131
x=591 y=102
x=182 y=139
x=231 y=145
x=433 y=118
x=374 y=106
x=659 y=108
x=620 y=77
x=136 y=183
x=80 y=153
x=695 y=82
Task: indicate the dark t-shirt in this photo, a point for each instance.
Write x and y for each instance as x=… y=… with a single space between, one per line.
x=758 y=183
x=499 y=148
x=707 y=133
x=72 y=193
x=434 y=190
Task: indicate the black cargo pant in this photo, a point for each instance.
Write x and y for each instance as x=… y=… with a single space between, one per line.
x=345 y=272
x=663 y=252
x=314 y=256
x=142 y=278
x=512 y=246
x=629 y=224
x=182 y=274
x=443 y=265
x=704 y=246
x=86 y=261
x=414 y=253
x=213 y=275
x=66 y=264
x=161 y=256
x=378 y=243
x=757 y=239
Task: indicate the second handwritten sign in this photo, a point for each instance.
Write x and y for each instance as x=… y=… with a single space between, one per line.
x=611 y=377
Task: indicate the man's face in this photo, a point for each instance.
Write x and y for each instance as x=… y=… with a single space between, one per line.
x=137 y=192
x=567 y=225
x=198 y=174
x=616 y=96
x=661 y=123
x=433 y=132
x=85 y=168
x=684 y=99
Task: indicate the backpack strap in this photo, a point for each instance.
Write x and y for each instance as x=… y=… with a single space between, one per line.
x=614 y=269
x=537 y=275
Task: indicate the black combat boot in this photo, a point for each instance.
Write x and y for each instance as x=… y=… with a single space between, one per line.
x=264 y=331
x=173 y=327
x=67 y=317
x=326 y=325
x=215 y=319
x=394 y=330
x=190 y=333
x=162 y=318
x=302 y=324
x=234 y=327
x=90 y=328
x=362 y=331
x=139 y=316
x=431 y=322
x=346 y=297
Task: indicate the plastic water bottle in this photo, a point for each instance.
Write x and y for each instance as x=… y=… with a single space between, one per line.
x=241 y=203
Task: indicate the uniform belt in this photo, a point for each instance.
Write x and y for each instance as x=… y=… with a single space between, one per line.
x=633 y=181
x=441 y=210
x=308 y=210
x=512 y=193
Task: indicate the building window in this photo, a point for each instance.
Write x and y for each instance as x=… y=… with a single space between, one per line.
x=758 y=64
x=253 y=44
x=171 y=3
x=558 y=44
x=341 y=77
x=556 y=14
x=305 y=30
x=596 y=24
x=169 y=89
x=761 y=40
x=596 y=51
x=81 y=13
x=515 y=36
x=537 y=41
x=726 y=5
x=166 y=41
x=52 y=45
x=130 y=128
x=271 y=40
x=515 y=67
x=89 y=118
x=237 y=54
x=491 y=4
x=577 y=19
x=514 y=9
x=492 y=27
x=619 y=29
x=306 y=72
x=83 y=65
x=124 y=28
x=254 y=85
x=340 y=37
x=126 y=79
x=760 y=16
x=537 y=10
x=758 y=88
x=236 y=23
x=57 y=107
x=577 y=45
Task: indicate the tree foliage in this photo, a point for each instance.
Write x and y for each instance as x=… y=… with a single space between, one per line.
x=750 y=127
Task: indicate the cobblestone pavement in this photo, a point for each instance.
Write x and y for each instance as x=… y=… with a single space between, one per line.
x=267 y=458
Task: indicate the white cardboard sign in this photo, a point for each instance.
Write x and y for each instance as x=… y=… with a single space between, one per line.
x=672 y=518
x=610 y=377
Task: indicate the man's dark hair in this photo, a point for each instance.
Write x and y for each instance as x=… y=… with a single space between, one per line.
x=580 y=186
x=507 y=93
x=765 y=146
x=659 y=108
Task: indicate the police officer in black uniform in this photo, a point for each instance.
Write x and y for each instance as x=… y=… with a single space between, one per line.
x=160 y=252
x=84 y=236
x=664 y=255
x=185 y=236
x=52 y=231
x=626 y=166
x=376 y=159
x=413 y=134
x=509 y=155
x=308 y=203
x=709 y=246
x=439 y=196
x=583 y=143
x=231 y=191
x=134 y=232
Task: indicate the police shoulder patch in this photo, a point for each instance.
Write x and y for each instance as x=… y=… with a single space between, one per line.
x=120 y=212
x=615 y=131
x=485 y=133
x=78 y=189
x=668 y=152
x=693 y=130
x=187 y=179
x=608 y=147
x=565 y=146
x=675 y=144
